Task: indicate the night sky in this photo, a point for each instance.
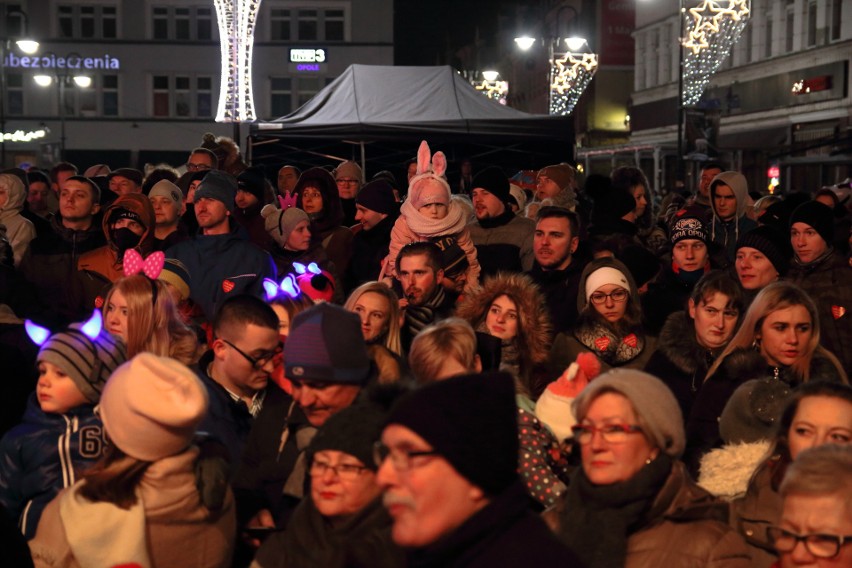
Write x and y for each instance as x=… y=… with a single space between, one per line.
x=424 y=31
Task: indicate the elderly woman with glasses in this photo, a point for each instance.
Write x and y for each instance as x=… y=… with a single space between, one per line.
x=816 y=522
x=632 y=503
x=341 y=522
x=609 y=324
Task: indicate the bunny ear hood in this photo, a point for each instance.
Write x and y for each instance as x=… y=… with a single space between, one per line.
x=429 y=167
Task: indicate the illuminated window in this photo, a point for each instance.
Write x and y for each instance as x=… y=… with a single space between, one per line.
x=87 y=21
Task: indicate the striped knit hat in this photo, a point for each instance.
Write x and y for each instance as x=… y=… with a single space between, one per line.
x=88 y=362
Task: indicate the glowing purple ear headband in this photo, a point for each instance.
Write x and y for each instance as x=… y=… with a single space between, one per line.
x=288 y=288
x=91 y=329
x=302 y=269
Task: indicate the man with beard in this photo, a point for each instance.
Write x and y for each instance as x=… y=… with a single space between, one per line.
x=503 y=240
x=221 y=263
x=424 y=299
x=557 y=270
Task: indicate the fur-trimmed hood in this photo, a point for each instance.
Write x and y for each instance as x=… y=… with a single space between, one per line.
x=677 y=342
x=139 y=204
x=534 y=327
x=725 y=472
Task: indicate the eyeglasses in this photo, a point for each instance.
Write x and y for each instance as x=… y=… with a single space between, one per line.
x=260 y=361
x=190 y=167
x=619 y=295
x=347 y=181
x=612 y=433
x=402 y=460
x=818 y=545
x=347 y=471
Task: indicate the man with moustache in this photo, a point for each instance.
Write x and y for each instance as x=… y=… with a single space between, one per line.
x=557 y=270
x=503 y=240
x=326 y=379
x=448 y=460
x=424 y=300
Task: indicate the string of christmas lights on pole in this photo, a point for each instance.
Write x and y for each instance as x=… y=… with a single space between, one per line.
x=236 y=20
x=710 y=30
x=571 y=73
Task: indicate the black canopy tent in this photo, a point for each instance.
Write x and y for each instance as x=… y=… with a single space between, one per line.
x=378 y=115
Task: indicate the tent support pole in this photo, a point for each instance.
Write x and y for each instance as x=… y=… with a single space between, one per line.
x=363 y=160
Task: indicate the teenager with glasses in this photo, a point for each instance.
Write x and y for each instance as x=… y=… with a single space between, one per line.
x=236 y=371
x=632 y=503
x=609 y=324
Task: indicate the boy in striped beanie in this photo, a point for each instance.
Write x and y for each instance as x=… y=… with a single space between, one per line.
x=60 y=435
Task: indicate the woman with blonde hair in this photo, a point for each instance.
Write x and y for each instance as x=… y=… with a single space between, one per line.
x=777 y=340
x=378 y=308
x=142 y=312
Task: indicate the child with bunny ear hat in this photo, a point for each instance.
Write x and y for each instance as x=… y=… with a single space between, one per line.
x=429 y=213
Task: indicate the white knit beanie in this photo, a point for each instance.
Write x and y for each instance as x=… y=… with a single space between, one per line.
x=603 y=276
x=151 y=407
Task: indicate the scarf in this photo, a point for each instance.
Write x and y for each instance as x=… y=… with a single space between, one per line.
x=613 y=350
x=689 y=277
x=499 y=220
x=510 y=355
x=102 y=533
x=598 y=519
x=815 y=262
x=453 y=223
x=418 y=317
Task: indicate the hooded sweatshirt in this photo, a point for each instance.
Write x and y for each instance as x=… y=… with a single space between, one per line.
x=726 y=233
x=107 y=260
x=19 y=231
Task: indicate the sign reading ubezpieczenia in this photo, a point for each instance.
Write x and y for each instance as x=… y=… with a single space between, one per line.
x=52 y=61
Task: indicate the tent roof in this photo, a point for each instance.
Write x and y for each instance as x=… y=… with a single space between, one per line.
x=376 y=102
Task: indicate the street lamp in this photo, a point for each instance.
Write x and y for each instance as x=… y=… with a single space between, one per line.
x=24 y=44
x=63 y=81
x=570 y=68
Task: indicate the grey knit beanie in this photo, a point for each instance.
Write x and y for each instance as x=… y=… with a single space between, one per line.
x=652 y=400
x=279 y=223
x=753 y=411
x=89 y=362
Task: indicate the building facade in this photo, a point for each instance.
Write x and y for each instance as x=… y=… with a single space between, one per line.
x=155 y=70
x=779 y=108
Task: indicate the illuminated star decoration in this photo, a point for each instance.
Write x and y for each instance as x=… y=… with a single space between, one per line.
x=494 y=90
x=571 y=74
x=236 y=20
x=710 y=30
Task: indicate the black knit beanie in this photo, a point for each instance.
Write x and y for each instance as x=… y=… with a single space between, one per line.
x=817 y=215
x=253 y=181
x=352 y=431
x=494 y=181
x=471 y=421
x=377 y=196
x=771 y=243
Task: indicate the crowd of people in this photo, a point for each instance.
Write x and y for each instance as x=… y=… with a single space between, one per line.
x=211 y=369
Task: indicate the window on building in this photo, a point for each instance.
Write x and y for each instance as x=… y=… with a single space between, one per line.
x=87 y=21
x=812 y=23
x=747 y=43
x=639 y=71
x=182 y=96
x=14 y=21
x=281 y=96
x=653 y=50
x=14 y=94
x=836 y=14
x=308 y=87
x=790 y=31
x=307 y=24
x=182 y=23
x=767 y=52
x=109 y=95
